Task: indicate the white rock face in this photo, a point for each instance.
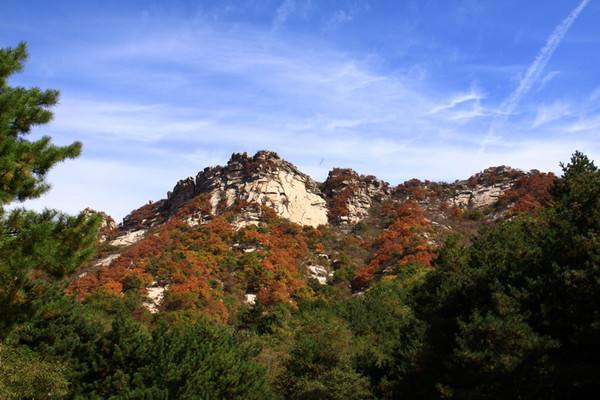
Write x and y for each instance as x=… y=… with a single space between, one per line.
x=319 y=273
x=486 y=196
x=108 y=223
x=155 y=296
x=284 y=192
x=107 y=260
x=128 y=238
x=361 y=202
x=357 y=192
x=250 y=298
x=265 y=179
x=481 y=195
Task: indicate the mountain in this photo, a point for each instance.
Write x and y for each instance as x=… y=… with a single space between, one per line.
x=260 y=228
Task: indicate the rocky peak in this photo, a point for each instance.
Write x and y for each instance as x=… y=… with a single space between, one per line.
x=264 y=179
x=485 y=188
x=345 y=198
x=351 y=195
x=108 y=226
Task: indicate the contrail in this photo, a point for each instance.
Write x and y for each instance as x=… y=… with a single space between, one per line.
x=535 y=70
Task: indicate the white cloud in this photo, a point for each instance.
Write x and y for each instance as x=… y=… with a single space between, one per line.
x=583 y=124
x=531 y=77
x=552 y=112
x=339 y=18
x=284 y=11
x=117 y=186
x=546 y=79
x=343 y=17
x=462 y=98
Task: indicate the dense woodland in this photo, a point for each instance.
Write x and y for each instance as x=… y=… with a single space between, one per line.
x=508 y=312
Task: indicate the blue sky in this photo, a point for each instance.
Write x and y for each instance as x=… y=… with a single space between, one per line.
x=438 y=90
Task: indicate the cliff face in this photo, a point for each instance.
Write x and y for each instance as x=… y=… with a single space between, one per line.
x=351 y=196
x=486 y=188
x=265 y=179
x=343 y=200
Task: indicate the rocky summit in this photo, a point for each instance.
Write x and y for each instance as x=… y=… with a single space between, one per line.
x=345 y=198
x=265 y=179
x=258 y=228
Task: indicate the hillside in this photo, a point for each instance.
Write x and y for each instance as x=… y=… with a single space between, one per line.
x=258 y=227
x=481 y=288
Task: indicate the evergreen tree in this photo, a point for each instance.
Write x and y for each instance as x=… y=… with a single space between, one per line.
x=200 y=360
x=23 y=375
x=320 y=360
x=387 y=333
x=516 y=315
x=35 y=248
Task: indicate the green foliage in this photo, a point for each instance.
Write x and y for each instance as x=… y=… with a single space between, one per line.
x=116 y=357
x=344 y=275
x=510 y=317
x=576 y=213
x=33 y=247
x=476 y=215
x=320 y=363
x=24 y=164
x=24 y=375
x=257 y=318
x=359 y=227
x=387 y=332
x=335 y=384
x=199 y=360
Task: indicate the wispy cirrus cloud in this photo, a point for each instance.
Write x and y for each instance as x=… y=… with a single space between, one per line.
x=551 y=112
x=455 y=101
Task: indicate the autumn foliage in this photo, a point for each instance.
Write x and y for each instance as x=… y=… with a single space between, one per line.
x=404 y=241
x=530 y=192
x=344 y=184
x=147 y=215
x=206 y=266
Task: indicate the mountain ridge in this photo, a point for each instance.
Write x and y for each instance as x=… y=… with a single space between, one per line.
x=263 y=229
x=345 y=197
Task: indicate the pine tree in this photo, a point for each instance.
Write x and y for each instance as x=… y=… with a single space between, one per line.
x=35 y=248
x=516 y=314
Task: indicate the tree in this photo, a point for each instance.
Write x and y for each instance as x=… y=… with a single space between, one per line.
x=320 y=360
x=35 y=248
x=107 y=354
x=197 y=359
x=387 y=332
x=24 y=376
x=515 y=315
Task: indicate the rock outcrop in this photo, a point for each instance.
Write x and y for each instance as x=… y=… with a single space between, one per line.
x=367 y=221
x=351 y=196
x=484 y=189
x=345 y=198
x=108 y=226
x=265 y=179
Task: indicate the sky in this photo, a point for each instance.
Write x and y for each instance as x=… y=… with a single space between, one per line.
x=158 y=90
